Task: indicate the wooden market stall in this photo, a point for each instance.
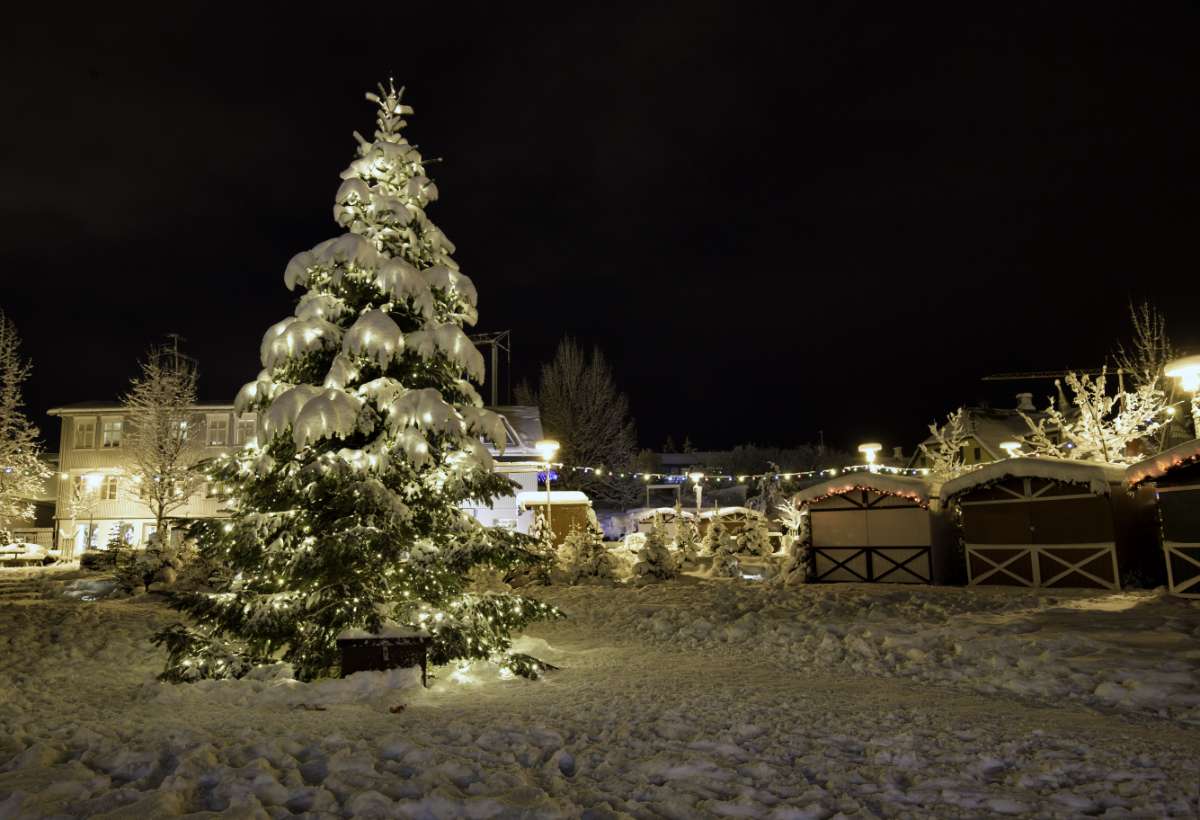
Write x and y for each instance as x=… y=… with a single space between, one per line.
x=568 y=509
x=1050 y=522
x=734 y=519
x=1174 y=476
x=874 y=527
x=644 y=518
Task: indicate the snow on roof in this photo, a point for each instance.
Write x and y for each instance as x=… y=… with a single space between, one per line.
x=1161 y=464
x=724 y=512
x=533 y=498
x=387 y=629
x=107 y=406
x=989 y=426
x=908 y=486
x=647 y=513
x=1098 y=475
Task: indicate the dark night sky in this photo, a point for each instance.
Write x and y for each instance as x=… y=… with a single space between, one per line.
x=838 y=220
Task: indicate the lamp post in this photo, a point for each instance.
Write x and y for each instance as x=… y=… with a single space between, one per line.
x=869 y=450
x=547 y=448
x=696 y=478
x=1187 y=371
x=91 y=483
x=1011 y=448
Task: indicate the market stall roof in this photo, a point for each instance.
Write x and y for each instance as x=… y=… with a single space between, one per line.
x=727 y=511
x=1098 y=475
x=1158 y=466
x=920 y=489
x=538 y=499
x=646 y=513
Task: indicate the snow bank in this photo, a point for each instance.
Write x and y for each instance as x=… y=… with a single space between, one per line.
x=1135 y=651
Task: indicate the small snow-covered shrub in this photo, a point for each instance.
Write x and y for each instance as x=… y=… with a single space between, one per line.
x=687 y=539
x=656 y=562
x=583 y=557
x=723 y=547
x=754 y=539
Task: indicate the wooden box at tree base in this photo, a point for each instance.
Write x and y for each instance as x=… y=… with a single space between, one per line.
x=378 y=654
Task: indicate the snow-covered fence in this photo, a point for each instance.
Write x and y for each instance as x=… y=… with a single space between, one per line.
x=1048 y=522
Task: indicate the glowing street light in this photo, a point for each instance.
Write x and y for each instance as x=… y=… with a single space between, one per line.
x=546 y=449
x=1011 y=447
x=869 y=450
x=1187 y=371
x=696 y=478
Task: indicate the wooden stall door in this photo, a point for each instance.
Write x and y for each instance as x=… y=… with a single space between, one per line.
x=1179 y=511
x=865 y=536
x=1037 y=533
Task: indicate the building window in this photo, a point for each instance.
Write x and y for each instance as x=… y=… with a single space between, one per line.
x=247 y=432
x=978 y=455
x=218 y=431
x=108 y=488
x=110 y=433
x=85 y=434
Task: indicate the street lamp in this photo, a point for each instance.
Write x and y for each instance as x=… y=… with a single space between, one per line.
x=546 y=449
x=869 y=450
x=1010 y=447
x=696 y=478
x=1187 y=371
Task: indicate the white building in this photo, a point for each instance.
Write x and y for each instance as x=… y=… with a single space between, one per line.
x=95 y=494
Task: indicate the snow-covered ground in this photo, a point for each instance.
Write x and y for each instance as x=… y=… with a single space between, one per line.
x=685 y=699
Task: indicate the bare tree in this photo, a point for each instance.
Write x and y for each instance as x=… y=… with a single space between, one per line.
x=945 y=454
x=1149 y=349
x=1098 y=426
x=164 y=446
x=23 y=474
x=582 y=407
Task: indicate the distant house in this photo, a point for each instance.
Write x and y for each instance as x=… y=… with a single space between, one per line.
x=94 y=494
x=988 y=428
x=519 y=462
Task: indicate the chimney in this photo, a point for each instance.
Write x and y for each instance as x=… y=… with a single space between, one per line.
x=1025 y=402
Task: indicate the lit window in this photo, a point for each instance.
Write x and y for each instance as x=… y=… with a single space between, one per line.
x=85 y=434
x=108 y=488
x=247 y=432
x=218 y=431
x=110 y=433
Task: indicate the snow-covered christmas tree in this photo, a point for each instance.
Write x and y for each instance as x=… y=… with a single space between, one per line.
x=722 y=546
x=348 y=513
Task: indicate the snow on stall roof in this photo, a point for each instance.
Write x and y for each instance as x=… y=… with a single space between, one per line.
x=1161 y=464
x=646 y=513
x=724 y=512
x=880 y=482
x=1098 y=475
x=533 y=498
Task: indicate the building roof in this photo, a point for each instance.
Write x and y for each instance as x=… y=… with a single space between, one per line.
x=908 y=486
x=989 y=427
x=524 y=427
x=111 y=406
x=1158 y=466
x=1098 y=475
x=533 y=498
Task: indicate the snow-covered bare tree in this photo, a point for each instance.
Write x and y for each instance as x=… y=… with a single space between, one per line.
x=23 y=474
x=1098 y=426
x=163 y=442
x=1149 y=348
x=583 y=409
x=944 y=455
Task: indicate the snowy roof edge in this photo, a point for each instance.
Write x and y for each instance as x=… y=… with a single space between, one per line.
x=1159 y=465
x=1098 y=475
x=846 y=482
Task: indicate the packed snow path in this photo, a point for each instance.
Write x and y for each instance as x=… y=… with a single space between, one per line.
x=683 y=699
